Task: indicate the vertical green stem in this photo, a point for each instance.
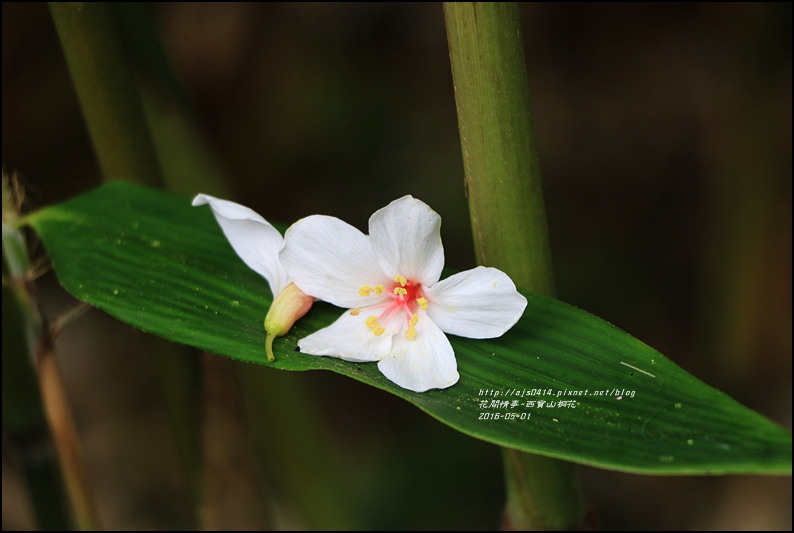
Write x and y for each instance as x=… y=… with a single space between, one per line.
x=507 y=214
x=115 y=118
x=112 y=106
x=106 y=90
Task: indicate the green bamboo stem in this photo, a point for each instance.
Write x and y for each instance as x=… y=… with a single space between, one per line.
x=106 y=90
x=187 y=167
x=35 y=405
x=114 y=115
x=507 y=214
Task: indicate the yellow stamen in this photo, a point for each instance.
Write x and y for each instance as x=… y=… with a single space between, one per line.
x=372 y=322
x=422 y=303
x=379 y=289
x=401 y=280
x=378 y=331
x=400 y=290
x=410 y=333
x=355 y=312
x=365 y=290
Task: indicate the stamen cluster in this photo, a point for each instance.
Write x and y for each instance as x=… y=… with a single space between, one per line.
x=403 y=296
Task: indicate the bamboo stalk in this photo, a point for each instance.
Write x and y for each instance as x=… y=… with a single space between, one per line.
x=115 y=118
x=508 y=216
x=167 y=137
x=106 y=90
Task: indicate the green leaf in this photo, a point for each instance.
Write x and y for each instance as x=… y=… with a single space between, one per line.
x=153 y=261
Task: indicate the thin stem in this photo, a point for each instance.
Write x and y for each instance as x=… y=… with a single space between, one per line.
x=64 y=431
x=507 y=214
x=26 y=422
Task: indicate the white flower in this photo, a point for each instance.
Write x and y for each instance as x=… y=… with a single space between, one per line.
x=258 y=243
x=399 y=310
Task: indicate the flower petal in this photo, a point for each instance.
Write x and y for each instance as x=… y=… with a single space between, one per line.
x=406 y=237
x=481 y=303
x=331 y=260
x=254 y=240
x=423 y=363
x=348 y=338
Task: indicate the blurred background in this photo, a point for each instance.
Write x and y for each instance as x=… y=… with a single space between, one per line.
x=664 y=134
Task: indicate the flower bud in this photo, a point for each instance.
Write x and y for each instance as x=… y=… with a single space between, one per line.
x=290 y=305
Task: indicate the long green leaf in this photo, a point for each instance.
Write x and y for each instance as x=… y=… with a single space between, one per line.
x=153 y=261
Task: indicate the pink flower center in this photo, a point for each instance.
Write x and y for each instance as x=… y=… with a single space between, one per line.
x=404 y=297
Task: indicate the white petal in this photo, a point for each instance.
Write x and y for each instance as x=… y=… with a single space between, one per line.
x=423 y=363
x=348 y=338
x=331 y=260
x=406 y=237
x=481 y=303
x=254 y=240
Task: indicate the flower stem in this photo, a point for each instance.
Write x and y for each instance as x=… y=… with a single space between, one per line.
x=507 y=214
x=269 y=347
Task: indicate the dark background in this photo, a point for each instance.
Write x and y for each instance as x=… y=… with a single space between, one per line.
x=664 y=134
